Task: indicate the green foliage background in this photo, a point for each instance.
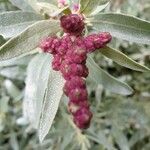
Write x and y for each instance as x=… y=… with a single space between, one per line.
x=120 y=122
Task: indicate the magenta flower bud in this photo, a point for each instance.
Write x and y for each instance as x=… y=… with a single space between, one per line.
x=76 y=7
x=96 y=41
x=56 y=63
x=50 y=45
x=79 y=70
x=76 y=95
x=89 y=43
x=73 y=83
x=105 y=37
x=69 y=70
x=62 y=49
x=82 y=118
x=76 y=55
x=56 y=43
x=46 y=44
x=72 y=24
x=66 y=43
x=79 y=41
x=73 y=107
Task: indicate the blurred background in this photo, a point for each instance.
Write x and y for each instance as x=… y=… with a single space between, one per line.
x=119 y=122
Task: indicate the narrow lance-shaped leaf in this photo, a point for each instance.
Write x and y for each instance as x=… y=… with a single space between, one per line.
x=123 y=27
x=109 y=82
x=43 y=6
x=36 y=84
x=23 y=61
x=13 y=22
x=51 y=102
x=46 y=8
x=49 y=9
x=101 y=139
x=22 y=4
x=120 y=138
x=32 y=3
x=29 y=39
x=139 y=136
x=99 y=8
x=88 y=6
x=122 y=59
x=2 y=40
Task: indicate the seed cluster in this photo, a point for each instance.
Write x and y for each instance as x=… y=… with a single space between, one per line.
x=69 y=57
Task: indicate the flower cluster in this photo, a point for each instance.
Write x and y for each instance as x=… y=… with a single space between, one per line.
x=69 y=57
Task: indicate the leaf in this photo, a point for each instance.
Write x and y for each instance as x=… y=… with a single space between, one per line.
x=5 y=5
x=88 y=6
x=32 y=3
x=120 y=138
x=12 y=90
x=101 y=139
x=61 y=10
x=138 y=136
x=4 y=106
x=13 y=22
x=2 y=40
x=49 y=9
x=36 y=84
x=54 y=2
x=122 y=59
x=109 y=82
x=123 y=27
x=22 y=4
x=14 y=72
x=126 y=112
x=43 y=5
x=46 y=8
x=51 y=102
x=23 y=61
x=99 y=9
x=28 y=40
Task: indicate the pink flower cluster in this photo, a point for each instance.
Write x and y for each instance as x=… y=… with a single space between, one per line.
x=72 y=24
x=69 y=57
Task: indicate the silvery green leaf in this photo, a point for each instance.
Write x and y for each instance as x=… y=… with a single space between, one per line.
x=2 y=40
x=123 y=26
x=138 y=136
x=101 y=139
x=120 y=138
x=5 y=5
x=28 y=40
x=46 y=8
x=89 y=6
x=23 y=61
x=36 y=84
x=59 y=11
x=32 y=3
x=4 y=105
x=12 y=90
x=13 y=72
x=51 y=102
x=22 y=4
x=14 y=22
x=122 y=59
x=109 y=82
x=36 y=3
x=54 y=2
x=99 y=9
